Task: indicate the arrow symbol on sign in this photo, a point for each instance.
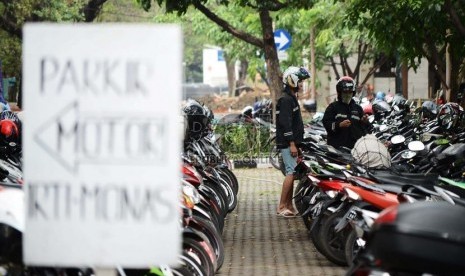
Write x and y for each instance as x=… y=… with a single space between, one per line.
x=73 y=138
x=282 y=40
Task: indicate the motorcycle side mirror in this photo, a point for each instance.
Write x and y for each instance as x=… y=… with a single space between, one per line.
x=425 y=137
x=416 y=146
x=371 y=119
x=396 y=108
x=383 y=127
x=397 y=139
x=408 y=154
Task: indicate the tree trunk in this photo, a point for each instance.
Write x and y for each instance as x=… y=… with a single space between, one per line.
x=312 y=64
x=454 y=75
x=271 y=58
x=231 y=72
x=242 y=72
x=404 y=72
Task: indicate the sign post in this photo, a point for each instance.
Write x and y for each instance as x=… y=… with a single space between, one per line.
x=102 y=145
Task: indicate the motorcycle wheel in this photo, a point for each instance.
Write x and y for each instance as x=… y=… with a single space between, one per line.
x=333 y=243
x=190 y=267
x=232 y=178
x=207 y=227
x=351 y=247
x=315 y=234
x=219 y=196
x=301 y=203
x=192 y=248
x=230 y=195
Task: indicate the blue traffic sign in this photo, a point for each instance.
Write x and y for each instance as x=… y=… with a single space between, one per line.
x=282 y=39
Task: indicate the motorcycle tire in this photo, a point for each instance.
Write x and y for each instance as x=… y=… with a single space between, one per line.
x=194 y=249
x=190 y=267
x=301 y=204
x=219 y=196
x=333 y=243
x=315 y=231
x=213 y=235
x=233 y=179
x=230 y=194
x=351 y=247
x=210 y=215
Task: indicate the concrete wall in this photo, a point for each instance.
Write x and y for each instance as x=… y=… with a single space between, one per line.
x=417 y=83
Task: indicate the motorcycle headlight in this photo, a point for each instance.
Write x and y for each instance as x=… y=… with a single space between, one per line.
x=190 y=191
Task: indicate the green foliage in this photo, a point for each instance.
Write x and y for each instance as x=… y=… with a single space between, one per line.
x=59 y=11
x=401 y=26
x=124 y=11
x=10 y=51
x=18 y=12
x=244 y=140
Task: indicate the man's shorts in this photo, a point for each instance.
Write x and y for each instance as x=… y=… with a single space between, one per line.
x=289 y=161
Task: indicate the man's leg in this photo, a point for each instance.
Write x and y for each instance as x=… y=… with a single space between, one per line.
x=285 y=202
x=287 y=191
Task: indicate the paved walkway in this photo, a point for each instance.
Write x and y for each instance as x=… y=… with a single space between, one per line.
x=257 y=242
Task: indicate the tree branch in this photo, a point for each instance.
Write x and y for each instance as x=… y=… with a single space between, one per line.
x=454 y=17
x=375 y=67
x=434 y=54
x=92 y=9
x=362 y=49
x=274 y=6
x=433 y=58
x=227 y=27
x=333 y=64
x=10 y=27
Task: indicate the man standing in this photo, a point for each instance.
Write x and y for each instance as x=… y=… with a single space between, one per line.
x=344 y=120
x=289 y=134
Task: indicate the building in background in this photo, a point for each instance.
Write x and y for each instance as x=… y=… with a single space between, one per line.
x=417 y=82
x=214 y=67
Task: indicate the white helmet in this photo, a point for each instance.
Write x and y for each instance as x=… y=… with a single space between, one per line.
x=293 y=75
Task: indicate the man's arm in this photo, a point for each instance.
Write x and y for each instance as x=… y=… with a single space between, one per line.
x=329 y=119
x=285 y=119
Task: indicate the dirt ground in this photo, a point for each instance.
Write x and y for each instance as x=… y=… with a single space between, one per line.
x=226 y=104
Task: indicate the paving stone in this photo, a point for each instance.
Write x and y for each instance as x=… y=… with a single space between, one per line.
x=257 y=242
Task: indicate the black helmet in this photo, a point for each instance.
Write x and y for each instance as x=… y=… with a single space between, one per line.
x=293 y=75
x=197 y=118
x=399 y=100
x=345 y=84
x=429 y=110
x=209 y=113
x=380 y=109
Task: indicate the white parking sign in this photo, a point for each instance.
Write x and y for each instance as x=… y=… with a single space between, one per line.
x=101 y=144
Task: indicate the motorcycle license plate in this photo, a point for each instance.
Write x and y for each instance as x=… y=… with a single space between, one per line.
x=351 y=215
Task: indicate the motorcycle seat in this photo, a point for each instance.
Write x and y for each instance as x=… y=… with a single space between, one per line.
x=389 y=177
